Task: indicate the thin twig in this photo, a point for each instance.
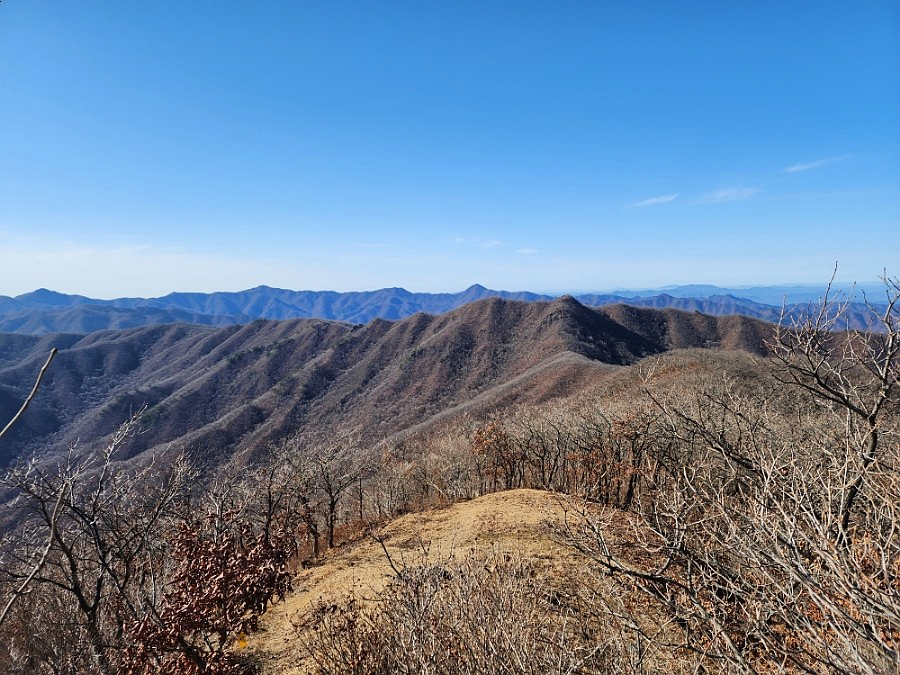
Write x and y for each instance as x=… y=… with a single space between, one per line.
x=43 y=559
x=34 y=389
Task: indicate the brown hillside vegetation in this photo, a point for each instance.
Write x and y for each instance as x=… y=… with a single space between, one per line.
x=214 y=391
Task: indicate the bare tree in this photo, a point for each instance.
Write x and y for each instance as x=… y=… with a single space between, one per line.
x=42 y=559
x=335 y=472
x=103 y=523
x=856 y=372
x=772 y=533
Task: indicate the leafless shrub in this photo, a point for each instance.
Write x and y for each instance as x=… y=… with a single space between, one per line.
x=134 y=580
x=855 y=373
x=576 y=449
x=38 y=564
x=494 y=613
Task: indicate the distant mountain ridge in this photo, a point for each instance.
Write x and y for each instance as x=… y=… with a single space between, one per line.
x=769 y=295
x=45 y=311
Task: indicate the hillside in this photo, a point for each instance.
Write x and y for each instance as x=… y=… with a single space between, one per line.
x=216 y=390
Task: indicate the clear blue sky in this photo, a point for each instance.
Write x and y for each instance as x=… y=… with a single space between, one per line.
x=147 y=147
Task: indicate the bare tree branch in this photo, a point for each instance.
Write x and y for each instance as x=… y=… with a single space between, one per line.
x=34 y=389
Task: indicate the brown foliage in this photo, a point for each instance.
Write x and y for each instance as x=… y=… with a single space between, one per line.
x=225 y=575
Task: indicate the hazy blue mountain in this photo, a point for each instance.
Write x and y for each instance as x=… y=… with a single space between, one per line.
x=45 y=311
x=769 y=295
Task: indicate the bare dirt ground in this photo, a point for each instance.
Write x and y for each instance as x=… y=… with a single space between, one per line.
x=518 y=521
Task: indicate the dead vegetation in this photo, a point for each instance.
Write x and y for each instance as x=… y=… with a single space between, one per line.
x=489 y=613
x=722 y=513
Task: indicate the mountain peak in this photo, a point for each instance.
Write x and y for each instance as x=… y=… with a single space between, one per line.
x=45 y=296
x=566 y=299
x=477 y=292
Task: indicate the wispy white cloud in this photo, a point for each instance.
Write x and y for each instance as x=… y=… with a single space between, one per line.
x=797 y=168
x=729 y=194
x=526 y=251
x=478 y=242
x=662 y=199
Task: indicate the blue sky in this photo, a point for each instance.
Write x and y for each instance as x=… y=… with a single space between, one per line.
x=148 y=147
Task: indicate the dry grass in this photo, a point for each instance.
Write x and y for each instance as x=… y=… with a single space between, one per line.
x=518 y=521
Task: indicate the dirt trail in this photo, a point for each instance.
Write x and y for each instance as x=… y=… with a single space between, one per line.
x=516 y=521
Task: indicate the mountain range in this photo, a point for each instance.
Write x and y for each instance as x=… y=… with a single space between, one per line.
x=44 y=311
x=218 y=391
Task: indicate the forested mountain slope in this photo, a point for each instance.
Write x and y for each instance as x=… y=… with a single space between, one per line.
x=216 y=390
